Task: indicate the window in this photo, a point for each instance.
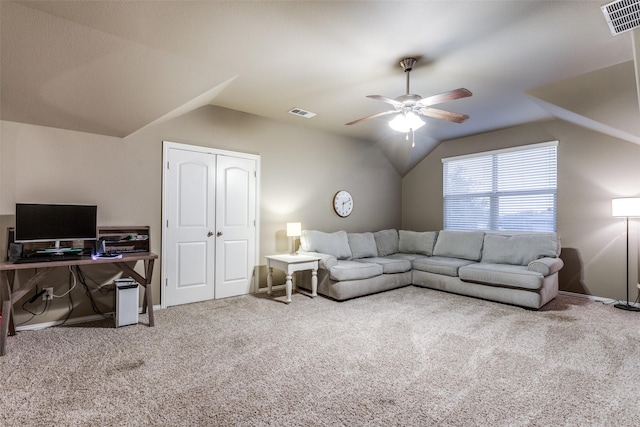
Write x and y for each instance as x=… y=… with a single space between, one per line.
x=512 y=189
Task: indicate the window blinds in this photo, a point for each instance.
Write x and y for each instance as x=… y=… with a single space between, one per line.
x=512 y=189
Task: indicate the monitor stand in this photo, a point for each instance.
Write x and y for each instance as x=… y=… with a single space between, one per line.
x=57 y=250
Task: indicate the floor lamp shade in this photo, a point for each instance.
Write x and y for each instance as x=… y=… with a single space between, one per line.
x=626 y=208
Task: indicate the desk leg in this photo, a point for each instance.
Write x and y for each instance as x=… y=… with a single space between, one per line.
x=314 y=282
x=269 y=279
x=4 y=326
x=148 y=299
x=289 y=286
x=6 y=286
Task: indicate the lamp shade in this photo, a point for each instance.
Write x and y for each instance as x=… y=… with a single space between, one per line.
x=626 y=207
x=294 y=229
x=406 y=122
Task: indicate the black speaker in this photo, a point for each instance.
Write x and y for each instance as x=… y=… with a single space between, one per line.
x=15 y=251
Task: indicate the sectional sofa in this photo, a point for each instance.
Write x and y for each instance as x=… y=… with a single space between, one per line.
x=518 y=268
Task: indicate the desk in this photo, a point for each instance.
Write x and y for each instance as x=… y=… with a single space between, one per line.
x=10 y=295
x=290 y=264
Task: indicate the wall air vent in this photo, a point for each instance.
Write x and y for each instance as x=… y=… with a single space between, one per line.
x=622 y=15
x=302 y=113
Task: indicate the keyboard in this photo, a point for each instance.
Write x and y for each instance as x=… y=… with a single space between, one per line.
x=47 y=258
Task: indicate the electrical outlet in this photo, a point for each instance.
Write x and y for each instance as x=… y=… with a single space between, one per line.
x=48 y=294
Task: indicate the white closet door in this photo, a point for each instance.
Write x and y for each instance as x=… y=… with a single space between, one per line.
x=235 y=225
x=190 y=223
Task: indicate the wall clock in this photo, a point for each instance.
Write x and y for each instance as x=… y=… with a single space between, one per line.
x=343 y=203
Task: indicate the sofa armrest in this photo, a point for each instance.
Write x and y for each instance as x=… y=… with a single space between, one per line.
x=326 y=261
x=546 y=265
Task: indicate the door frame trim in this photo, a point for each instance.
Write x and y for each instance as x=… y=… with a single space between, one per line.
x=168 y=145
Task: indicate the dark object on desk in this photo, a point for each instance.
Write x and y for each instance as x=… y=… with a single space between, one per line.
x=15 y=251
x=48 y=258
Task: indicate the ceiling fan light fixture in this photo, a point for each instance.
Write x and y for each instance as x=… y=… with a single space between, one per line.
x=406 y=106
x=406 y=122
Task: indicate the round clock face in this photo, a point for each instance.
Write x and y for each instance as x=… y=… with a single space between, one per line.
x=343 y=203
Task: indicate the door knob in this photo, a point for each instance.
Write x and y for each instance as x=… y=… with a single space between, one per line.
x=209 y=234
x=219 y=233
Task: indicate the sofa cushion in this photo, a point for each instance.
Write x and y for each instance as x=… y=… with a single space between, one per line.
x=390 y=265
x=408 y=257
x=519 y=249
x=414 y=242
x=514 y=276
x=362 y=245
x=353 y=270
x=336 y=244
x=459 y=244
x=440 y=265
x=386 y=241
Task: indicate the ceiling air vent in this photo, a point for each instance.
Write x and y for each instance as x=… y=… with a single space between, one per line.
x=622 y=15
x=303 y=113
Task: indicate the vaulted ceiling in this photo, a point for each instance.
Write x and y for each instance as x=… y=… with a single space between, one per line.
x=115 y=67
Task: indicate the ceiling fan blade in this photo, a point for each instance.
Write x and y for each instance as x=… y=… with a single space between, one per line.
x=444 y=115
x=372 y=117
x=445 y=96
x=385 y=99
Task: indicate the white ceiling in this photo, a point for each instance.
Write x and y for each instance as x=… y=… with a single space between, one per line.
x=115 y=67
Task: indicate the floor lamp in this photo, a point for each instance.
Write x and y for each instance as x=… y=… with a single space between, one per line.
x=626 y=208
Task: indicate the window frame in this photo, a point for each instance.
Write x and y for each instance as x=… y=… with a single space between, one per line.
x=494 y=195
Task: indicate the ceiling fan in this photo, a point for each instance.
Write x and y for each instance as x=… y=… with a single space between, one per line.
x=409 y=106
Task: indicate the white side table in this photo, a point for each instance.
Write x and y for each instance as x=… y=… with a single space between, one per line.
x=290 y=264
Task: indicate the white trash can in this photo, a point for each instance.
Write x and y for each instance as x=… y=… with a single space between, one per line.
x=126 y=302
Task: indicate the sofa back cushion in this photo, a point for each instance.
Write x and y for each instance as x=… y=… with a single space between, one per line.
x=386 y=242
x=362 y=245
x=414 y=242
x=519 y=249
x=336 y=244
x=459 y=244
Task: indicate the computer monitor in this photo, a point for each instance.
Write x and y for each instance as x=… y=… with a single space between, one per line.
x=55 y=223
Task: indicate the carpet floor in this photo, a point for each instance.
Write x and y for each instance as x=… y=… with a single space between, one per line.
x=411 y=356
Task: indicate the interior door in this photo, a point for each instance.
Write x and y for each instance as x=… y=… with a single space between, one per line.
x=235 y=225
x=189 y=257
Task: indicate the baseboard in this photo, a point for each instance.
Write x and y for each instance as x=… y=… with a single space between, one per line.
x=603 y=300
x=589 y=297
x=71 y=321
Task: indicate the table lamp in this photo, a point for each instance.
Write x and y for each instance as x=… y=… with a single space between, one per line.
x=294 y=229
x=626 y=208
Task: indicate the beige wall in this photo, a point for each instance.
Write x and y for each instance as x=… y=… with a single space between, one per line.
x=592 y=169
x=301 y=170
